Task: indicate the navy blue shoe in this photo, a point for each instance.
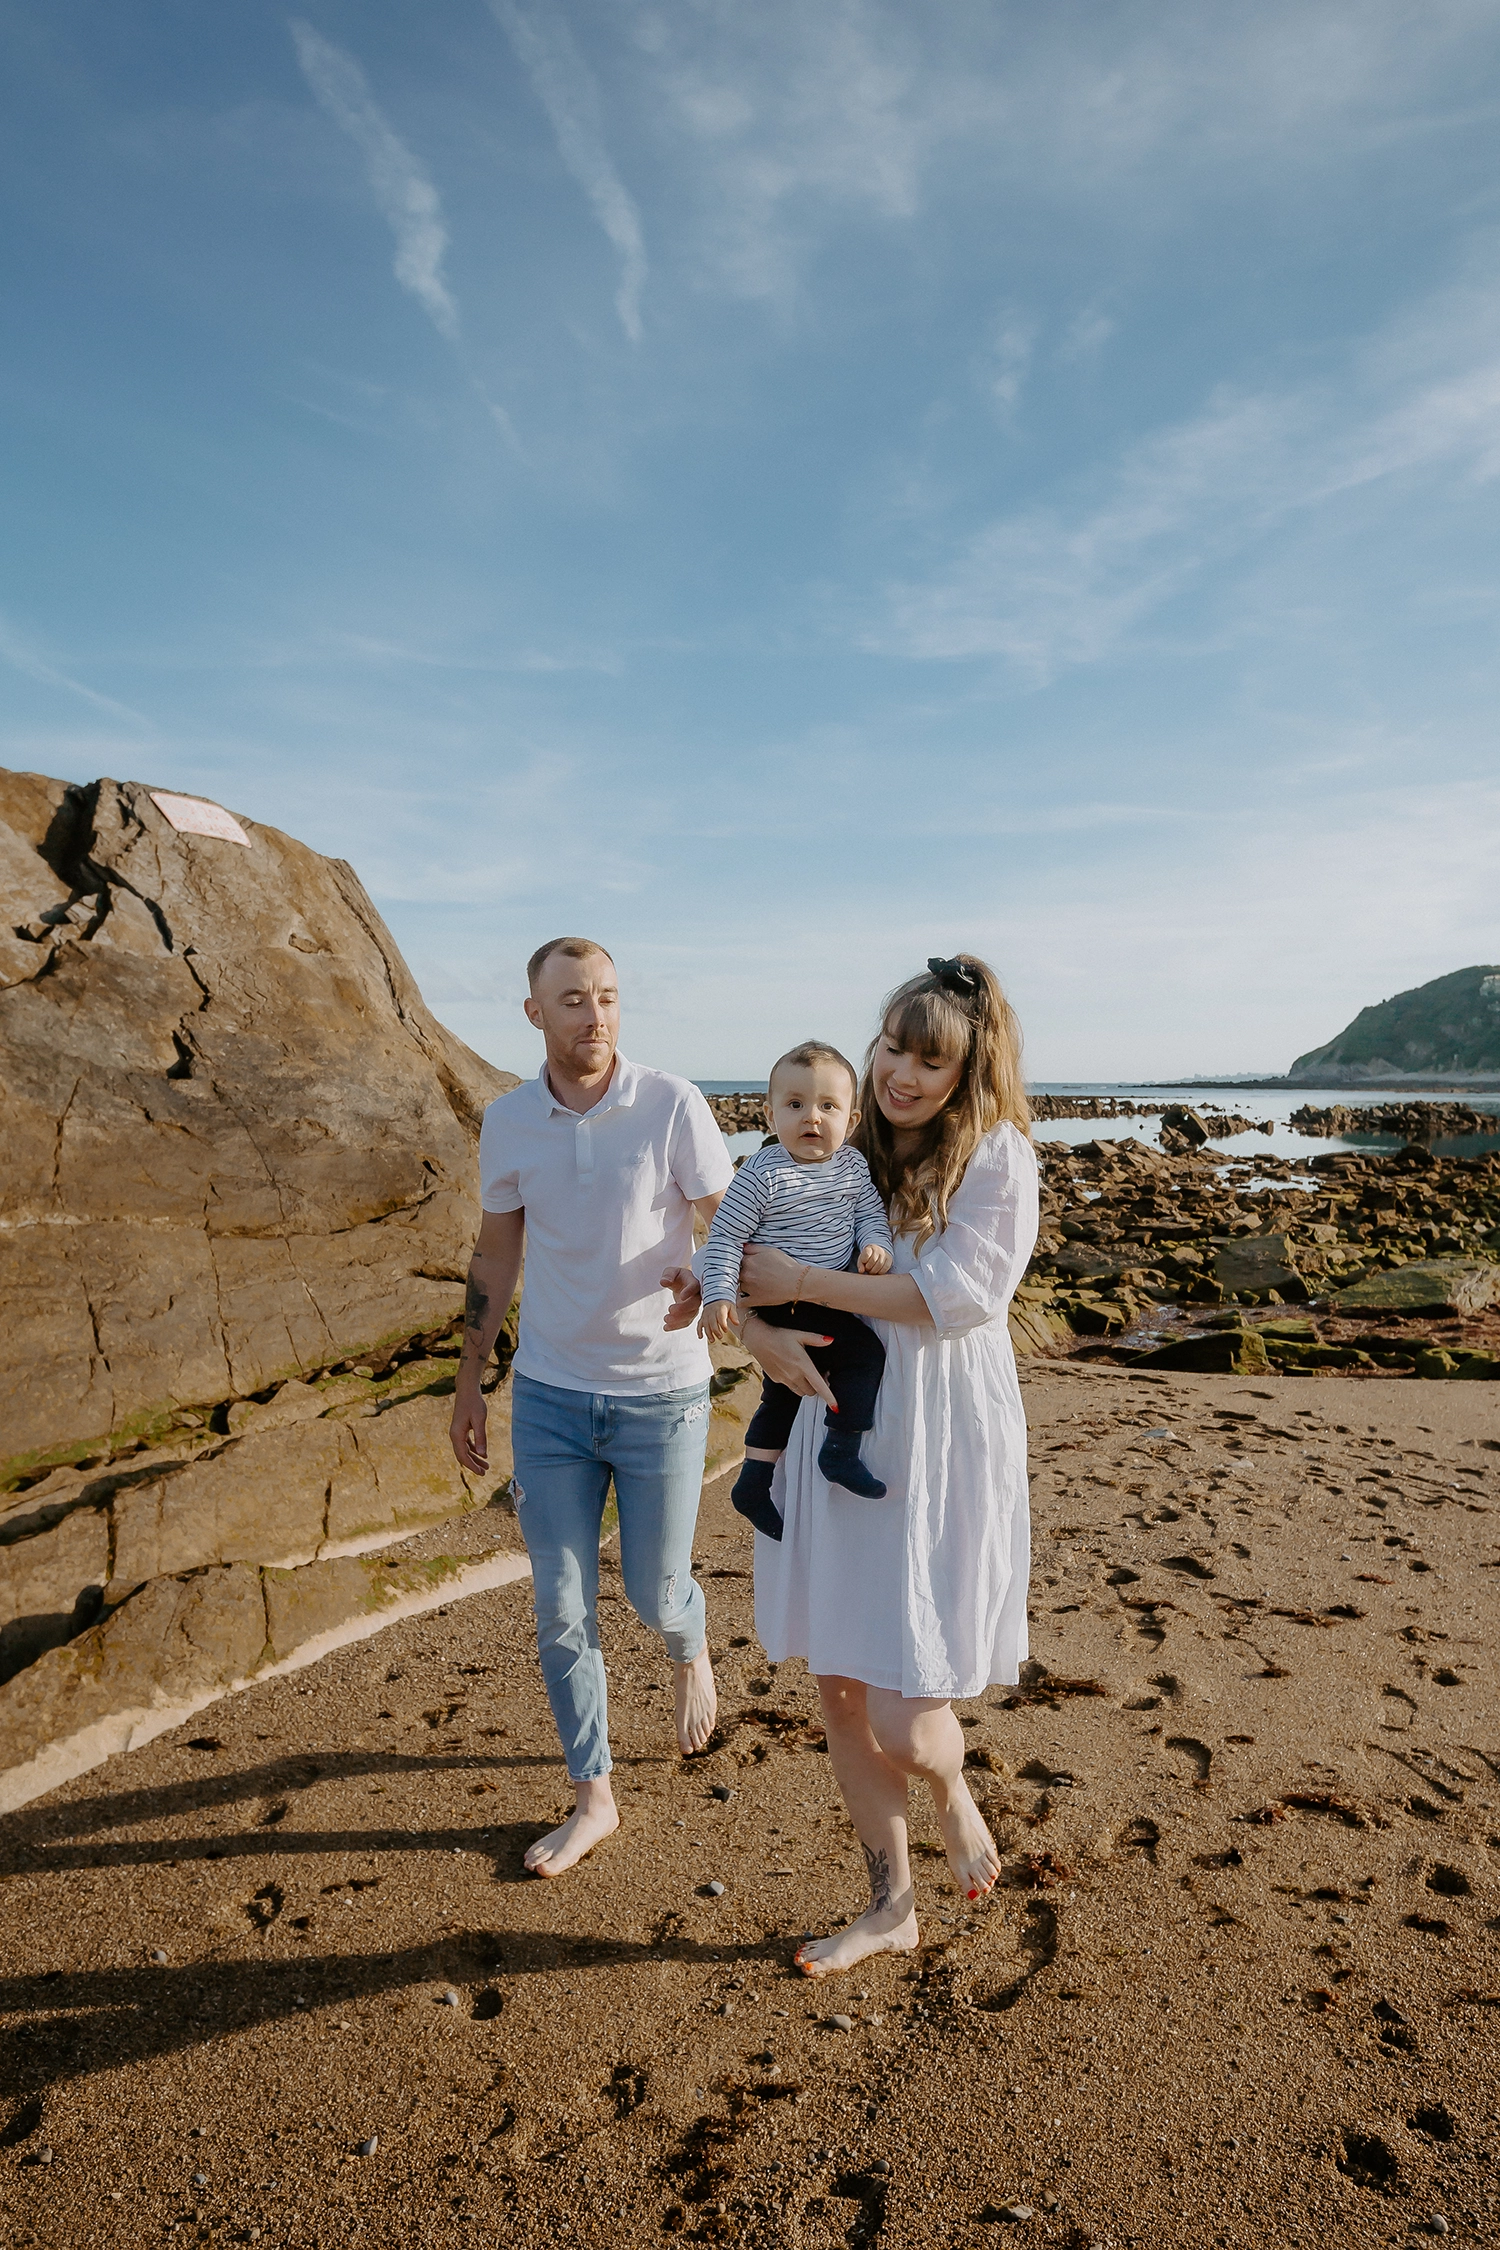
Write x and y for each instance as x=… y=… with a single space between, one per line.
x=751 y=1497
x=838 y=1458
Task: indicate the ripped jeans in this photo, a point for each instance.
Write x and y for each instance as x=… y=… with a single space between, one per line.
x=567 y=1444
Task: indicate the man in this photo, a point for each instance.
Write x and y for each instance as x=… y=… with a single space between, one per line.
x=599 y=1166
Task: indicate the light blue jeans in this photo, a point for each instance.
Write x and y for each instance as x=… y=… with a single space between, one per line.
x=567 y=1445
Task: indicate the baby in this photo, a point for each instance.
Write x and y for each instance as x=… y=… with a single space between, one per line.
x=812 y=1196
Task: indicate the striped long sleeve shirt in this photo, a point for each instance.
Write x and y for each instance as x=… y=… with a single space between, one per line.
x=819 y=1214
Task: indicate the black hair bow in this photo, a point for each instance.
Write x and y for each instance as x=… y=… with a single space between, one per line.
x=956 y=976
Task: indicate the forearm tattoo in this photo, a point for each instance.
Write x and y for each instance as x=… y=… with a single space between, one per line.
x=879 y=1867
x=476 y=1309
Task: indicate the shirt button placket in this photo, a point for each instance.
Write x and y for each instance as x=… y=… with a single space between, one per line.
x=583 y=1142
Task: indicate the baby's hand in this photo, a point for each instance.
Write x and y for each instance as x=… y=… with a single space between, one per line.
x=718 y=1318
x=875 y=1258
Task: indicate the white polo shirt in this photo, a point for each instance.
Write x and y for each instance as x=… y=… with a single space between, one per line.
x=608 y=1199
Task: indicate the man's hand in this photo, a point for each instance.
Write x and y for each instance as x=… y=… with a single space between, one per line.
x=687 y=1298
x=466 y=1431
x=875 y=1258
x=718 y=1319
x=493 y=1272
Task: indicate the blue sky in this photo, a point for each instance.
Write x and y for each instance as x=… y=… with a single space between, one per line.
x=785 y=489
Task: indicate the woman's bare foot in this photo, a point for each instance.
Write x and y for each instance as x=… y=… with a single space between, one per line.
x=697 y=1702
x=968 y=1843
x=594 y=1818
x=881 y=1929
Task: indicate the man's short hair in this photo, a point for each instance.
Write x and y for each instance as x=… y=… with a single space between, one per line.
x=802 y=1058
x=579 y=947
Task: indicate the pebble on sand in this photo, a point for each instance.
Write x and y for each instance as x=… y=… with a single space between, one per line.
x=447 y=1999
x=713 y=1890
x=841 y=2023
x=156 y=1954
x=368 y=2148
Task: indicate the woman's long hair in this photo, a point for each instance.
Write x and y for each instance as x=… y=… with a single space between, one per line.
x=928 y=1016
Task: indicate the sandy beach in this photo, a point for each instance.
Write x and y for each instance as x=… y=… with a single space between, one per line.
x=1238 y=1986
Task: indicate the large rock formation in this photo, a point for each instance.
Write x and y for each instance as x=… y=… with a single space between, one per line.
x=238 y=1147
x=236 y=1210
x=1447 y=1029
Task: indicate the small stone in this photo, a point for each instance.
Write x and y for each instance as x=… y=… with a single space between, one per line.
x=200 y=2179
x=1437 y=2224
x=156 y=1954
x=722 y=1791
x=882 y=2165
x=1017 y=2211
x=714 y=1890
x=841 y=2023
x=42 y=2156
x=447 y=1999
x=368 y=2148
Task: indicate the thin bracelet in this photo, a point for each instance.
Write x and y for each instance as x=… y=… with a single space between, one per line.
x=801 y=1278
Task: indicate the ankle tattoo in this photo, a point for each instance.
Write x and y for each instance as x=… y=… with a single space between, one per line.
x=878 y=1865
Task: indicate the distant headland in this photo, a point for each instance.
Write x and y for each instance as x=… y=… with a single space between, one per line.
x=1446 y=1033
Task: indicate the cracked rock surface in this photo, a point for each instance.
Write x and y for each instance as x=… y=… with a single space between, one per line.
x=239 y=1148
x=235 y=1216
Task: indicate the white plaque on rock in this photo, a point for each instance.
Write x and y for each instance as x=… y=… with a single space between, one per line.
x=195 y=816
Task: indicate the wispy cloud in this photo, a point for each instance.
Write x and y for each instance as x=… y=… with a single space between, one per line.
x=567 y=90
x=21 y=654
x=1008 y=359
x=1064 y=583
x=802 y=117
x=1087 y=333
x=401 y=187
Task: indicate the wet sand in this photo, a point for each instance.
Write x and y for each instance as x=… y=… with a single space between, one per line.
x=1239 y=1986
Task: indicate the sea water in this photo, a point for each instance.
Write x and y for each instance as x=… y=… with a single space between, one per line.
x=1272 y=1106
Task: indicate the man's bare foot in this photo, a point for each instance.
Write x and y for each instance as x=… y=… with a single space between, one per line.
x=697 y=1702
x=594 y=1818
x=968 y=1843
x=882 y=1929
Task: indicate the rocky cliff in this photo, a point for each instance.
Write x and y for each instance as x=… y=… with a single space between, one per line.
x=1449 y=1029
x=235 y=1214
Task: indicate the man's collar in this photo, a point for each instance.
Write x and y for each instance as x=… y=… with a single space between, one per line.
x=620 y=1092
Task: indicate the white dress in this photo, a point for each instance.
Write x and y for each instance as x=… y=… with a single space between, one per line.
x=924 y=1591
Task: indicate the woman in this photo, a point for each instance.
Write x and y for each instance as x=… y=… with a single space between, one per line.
x=899 y=1605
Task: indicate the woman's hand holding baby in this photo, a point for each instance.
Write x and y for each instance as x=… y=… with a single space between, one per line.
x=875 y=1258
x=769 y=1277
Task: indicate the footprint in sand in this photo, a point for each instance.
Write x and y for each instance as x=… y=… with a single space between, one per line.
x=1197 y=1753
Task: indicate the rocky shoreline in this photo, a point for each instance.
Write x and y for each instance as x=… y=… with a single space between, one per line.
x=1182 y=1256
x=1411 y=1121
x=1186 y=1258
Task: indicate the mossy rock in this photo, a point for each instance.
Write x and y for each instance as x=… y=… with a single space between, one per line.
x=1231 y=1351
